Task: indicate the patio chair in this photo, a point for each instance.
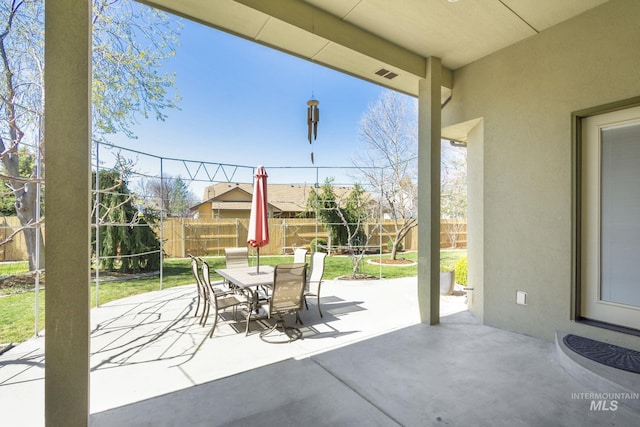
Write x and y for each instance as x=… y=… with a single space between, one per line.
x=236 y=258
x=299 y=255
x=201 y=291
x=286 y=298
x=314 y=282
x=220 y=299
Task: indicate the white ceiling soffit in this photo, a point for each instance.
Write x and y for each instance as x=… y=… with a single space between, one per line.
x=361 y=37
x=458 y=32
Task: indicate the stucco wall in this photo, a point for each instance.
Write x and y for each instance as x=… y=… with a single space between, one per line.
x=475 y=222
x=525 y=95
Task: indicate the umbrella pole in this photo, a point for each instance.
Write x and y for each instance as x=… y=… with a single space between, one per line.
x=258 y=261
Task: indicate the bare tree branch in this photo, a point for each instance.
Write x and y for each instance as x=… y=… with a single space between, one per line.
x=11 y=236
x=388 y=130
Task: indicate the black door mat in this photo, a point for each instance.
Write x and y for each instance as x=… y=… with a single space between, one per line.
x=607 y=354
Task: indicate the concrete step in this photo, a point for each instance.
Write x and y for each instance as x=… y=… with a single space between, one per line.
x=599 y=378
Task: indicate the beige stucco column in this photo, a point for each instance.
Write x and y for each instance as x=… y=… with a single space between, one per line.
x=67 y=159
x=429 y=129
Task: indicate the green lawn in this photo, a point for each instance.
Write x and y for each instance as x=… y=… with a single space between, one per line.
x=17 y=309
x=13 y=267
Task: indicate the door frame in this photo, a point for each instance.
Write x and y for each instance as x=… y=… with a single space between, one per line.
x=577 y=122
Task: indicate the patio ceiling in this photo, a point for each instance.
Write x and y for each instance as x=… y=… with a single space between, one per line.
x=363 y=37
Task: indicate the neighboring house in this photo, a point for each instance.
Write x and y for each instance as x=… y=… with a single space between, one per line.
x=227 y=200
x=233 y=200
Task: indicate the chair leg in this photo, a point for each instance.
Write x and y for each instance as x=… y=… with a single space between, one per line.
x=307 y=305
x=215 y=321
x=197 y=304
x=205 y=313
x=291 y=333
x=246 y=331
x=271 y=329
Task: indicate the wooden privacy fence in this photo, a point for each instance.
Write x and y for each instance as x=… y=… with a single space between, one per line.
x=16 y=249
x=453 y=233
x=200 y=237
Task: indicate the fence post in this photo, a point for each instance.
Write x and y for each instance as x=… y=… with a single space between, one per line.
x=284 y=236
x=184 y=244
x=4 y=236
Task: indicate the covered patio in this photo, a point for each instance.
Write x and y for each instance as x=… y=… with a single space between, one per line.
x=513 y=79
x=369 y=361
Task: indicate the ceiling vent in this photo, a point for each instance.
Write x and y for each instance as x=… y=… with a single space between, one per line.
x=386 y=74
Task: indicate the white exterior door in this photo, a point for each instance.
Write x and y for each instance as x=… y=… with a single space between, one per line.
x=610 y=231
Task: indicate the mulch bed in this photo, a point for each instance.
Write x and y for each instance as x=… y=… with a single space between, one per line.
x=357 y=277
x=20 y=282
x=389 y=261
x=26 y=282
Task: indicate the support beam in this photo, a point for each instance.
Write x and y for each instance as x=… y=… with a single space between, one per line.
x=429 y=130
x=249 y=18
x=67 y=134
x=317 y=21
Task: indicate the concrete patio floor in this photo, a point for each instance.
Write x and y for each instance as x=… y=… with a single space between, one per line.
x=368 y=361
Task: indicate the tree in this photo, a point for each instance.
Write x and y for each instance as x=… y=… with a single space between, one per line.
x=325 y=204
x=26 y=166
x=21 y=109
x=345 y=218
x=354 y=217
x=130 y=44
x=388 y=130
x=125 y=235
x=180 y=198
x=170 y=194
x=453 y=197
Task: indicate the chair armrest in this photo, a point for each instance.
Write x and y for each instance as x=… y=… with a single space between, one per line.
x=224 y=292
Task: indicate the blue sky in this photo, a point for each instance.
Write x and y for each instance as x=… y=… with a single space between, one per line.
x=243 y=103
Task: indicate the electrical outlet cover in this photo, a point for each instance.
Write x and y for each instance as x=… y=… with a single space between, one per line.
x=521 y=297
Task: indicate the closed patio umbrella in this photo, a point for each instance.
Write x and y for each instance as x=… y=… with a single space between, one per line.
x=258 y=235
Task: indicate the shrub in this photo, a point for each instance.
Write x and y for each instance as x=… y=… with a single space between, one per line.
x=390 y=246
x=446 y=266
x=318 y=245
x=461 y=271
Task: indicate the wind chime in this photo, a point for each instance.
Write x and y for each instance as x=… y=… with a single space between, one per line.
x=313 y=117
